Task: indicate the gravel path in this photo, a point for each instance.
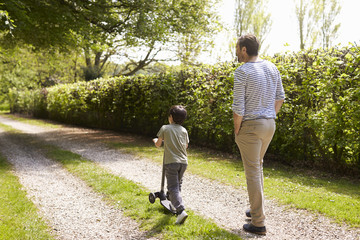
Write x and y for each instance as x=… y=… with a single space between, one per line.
x=68 y=205
x=224 y=204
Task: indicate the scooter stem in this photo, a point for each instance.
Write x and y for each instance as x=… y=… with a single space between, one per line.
x=163 y=175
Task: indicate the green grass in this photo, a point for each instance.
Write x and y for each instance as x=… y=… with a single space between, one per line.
x=125 y=195
x=133 y=199
x=334 y=197
x=18 y=215
x=7 y=128
x=209 y=164
x=338 y=199
x=36 y=122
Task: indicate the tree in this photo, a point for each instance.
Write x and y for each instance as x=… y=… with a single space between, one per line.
x=251 y=17
x=317 y=18
x=37 y=22
x=308 y=17
x=189 y=48
x=328 y=27
x=23 y=68
x=187 y=36
x=103 y=27
x=7 y=22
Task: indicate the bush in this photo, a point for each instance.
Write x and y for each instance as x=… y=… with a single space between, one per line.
x=318 y=125
x=29 y=102
x=140 y=104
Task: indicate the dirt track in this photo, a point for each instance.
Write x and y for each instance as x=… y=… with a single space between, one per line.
x=76 y=212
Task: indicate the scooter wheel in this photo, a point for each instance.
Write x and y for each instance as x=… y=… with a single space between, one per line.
x=152 y=197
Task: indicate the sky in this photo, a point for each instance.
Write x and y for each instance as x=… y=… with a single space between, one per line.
x=284 y=29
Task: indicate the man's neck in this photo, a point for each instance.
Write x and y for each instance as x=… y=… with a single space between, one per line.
x=253 y=59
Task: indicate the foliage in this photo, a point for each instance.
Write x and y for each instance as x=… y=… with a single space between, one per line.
x=38 y=23
x=329 y=9
x=306 y=15
x=317 y=18
x=24 y=68
x=107 y=27
x=251 y=16
x=28 y=102
x=318 y=125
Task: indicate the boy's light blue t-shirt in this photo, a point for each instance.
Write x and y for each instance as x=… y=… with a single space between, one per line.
x=176 y=140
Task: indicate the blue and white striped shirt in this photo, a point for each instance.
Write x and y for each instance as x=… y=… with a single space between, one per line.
x=257 y=85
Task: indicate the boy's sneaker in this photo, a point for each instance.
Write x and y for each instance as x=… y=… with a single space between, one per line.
x=181 y=218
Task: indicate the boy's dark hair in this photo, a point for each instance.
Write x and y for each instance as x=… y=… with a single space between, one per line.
x=251 y=43
x=178 y=114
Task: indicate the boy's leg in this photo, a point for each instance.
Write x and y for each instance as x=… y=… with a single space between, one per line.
x=181 y=174
x=174 y=173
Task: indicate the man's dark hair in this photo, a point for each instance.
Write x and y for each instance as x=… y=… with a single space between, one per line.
x=251 y=43
x=178 y=114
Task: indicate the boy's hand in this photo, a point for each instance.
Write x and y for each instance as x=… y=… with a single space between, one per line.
x=158 y=141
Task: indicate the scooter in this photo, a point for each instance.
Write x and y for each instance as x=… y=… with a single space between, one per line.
x=164 y=200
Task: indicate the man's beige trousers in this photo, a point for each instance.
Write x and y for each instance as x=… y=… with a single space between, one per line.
x=253 y=140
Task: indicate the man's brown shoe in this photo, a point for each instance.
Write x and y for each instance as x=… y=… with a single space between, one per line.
x=252 y=229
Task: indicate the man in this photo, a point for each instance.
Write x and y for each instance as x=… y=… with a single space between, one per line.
x=258 y=97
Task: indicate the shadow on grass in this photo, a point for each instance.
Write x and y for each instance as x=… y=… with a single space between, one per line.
x=298 y=176
x=161 y=223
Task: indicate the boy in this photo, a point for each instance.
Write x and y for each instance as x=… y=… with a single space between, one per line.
x=176 y=141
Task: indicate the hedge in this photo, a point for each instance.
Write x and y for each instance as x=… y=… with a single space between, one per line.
x=318 y=125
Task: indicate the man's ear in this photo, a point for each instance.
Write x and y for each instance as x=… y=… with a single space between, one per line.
x=243 y=49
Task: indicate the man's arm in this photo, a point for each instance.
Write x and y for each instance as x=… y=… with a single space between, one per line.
x=278 y=104
x=237 y=123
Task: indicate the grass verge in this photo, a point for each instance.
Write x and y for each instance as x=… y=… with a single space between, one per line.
x=36 y=122
x=126 y=195
x=133 y=199
x=338 y=199
x=18 y=215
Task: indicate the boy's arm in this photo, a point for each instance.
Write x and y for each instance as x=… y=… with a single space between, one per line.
x=158 y=141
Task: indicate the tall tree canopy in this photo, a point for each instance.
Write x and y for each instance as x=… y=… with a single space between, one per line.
x=251 y=16
x=328 y=27
x=317 y=18
x=103 y=27
x=307 y=17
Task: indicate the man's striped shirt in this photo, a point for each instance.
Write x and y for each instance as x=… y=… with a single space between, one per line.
x=256 y=87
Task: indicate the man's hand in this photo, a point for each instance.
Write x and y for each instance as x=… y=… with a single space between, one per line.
x=278 y=104
x=237 y=123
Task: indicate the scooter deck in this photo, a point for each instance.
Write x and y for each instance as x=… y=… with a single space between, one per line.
x=166 y=204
